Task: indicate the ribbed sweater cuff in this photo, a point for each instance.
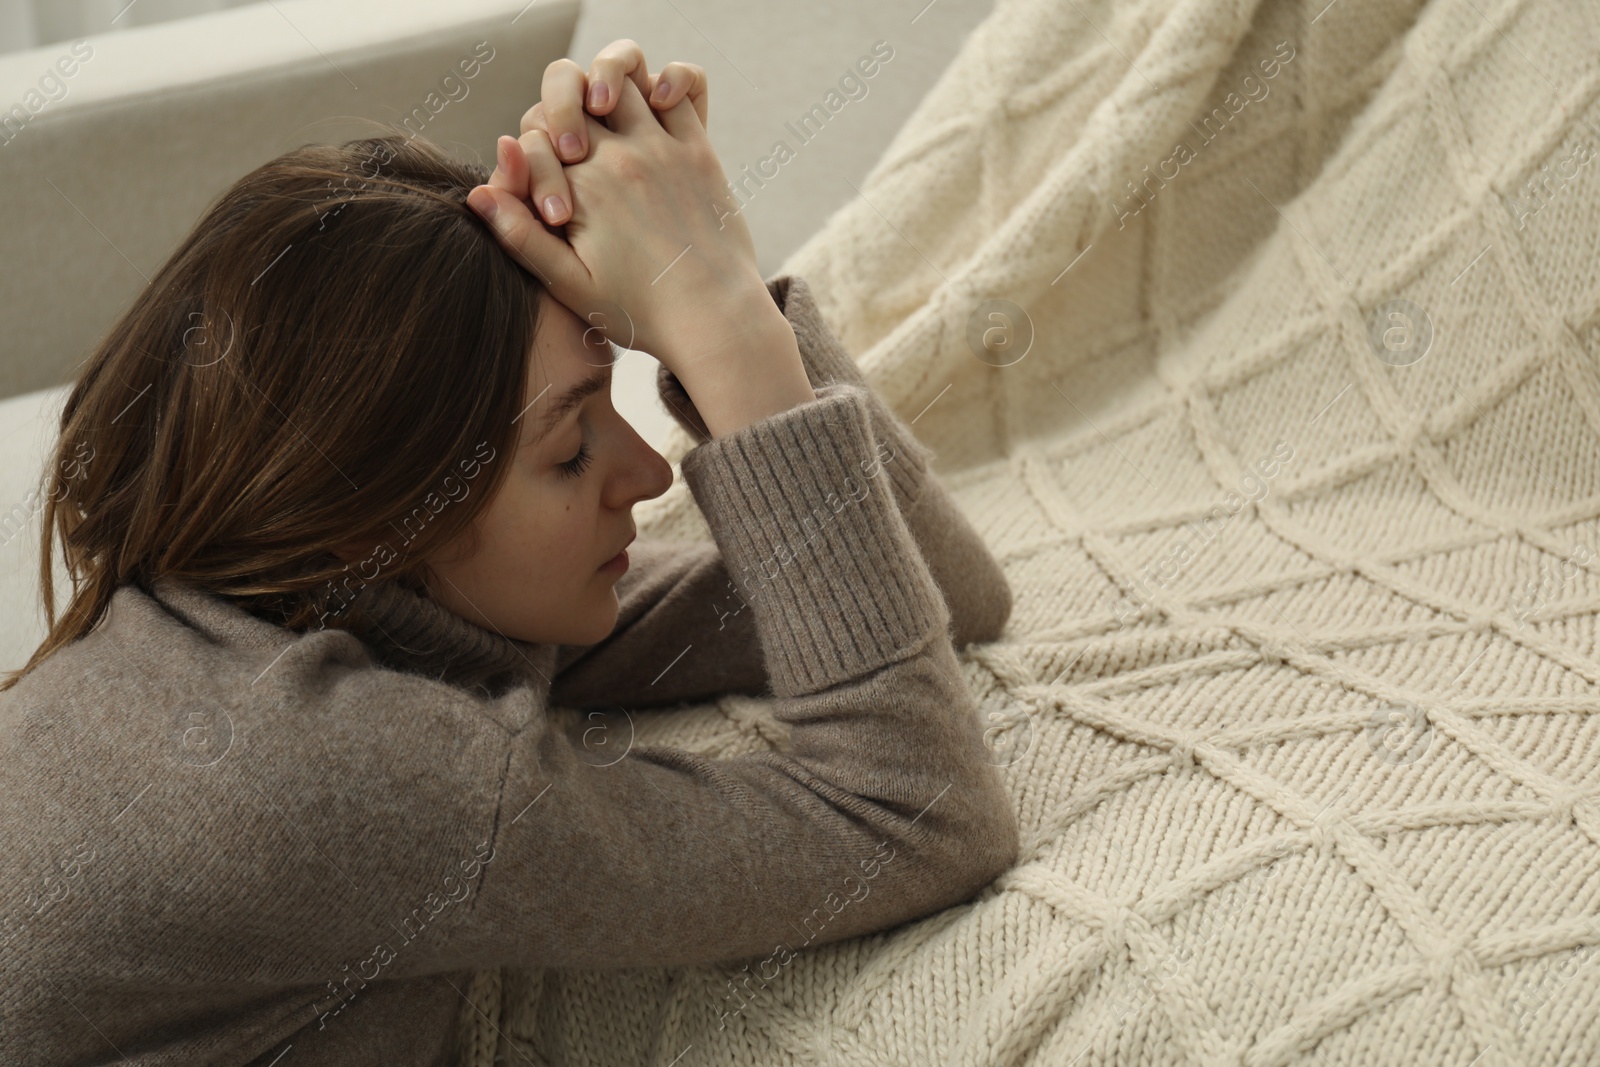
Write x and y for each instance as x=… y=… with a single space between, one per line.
x=800 y=504
x=827 y=361
x=909 y=470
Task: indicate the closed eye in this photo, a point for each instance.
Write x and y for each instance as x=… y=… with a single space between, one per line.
x=577 y=464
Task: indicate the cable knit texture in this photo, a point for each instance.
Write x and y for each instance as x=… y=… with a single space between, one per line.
x=1298 y=702
x=228 y=843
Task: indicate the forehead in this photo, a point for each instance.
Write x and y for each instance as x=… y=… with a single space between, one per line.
x=565 y=349
x=569 y=363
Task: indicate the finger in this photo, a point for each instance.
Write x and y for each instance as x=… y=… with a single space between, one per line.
x=511 y=167
x=524 y=238
x=683 y=79
x=546 y=183
x=533 y=118
x=561 y=97
x=682 y=122
x=632 y=114
x=618 y=60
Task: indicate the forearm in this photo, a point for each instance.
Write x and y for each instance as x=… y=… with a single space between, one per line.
x=743 y=366
x=685 y=590
x=972 y=583
x=884 y=794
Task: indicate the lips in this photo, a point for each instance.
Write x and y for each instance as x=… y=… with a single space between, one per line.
x=621 y=550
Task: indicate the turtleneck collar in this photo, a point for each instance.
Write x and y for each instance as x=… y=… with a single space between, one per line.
x=404 y=630
x=419 y=634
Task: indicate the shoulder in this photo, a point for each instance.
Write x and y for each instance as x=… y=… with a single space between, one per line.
x=185 y=747
x=216 y=711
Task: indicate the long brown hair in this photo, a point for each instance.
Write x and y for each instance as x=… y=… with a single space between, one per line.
x=333 y=358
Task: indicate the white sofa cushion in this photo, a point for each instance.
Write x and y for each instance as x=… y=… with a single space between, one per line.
x=28 y=430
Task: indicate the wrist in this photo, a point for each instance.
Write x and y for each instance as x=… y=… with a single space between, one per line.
x=746 y=374
x=716 y=324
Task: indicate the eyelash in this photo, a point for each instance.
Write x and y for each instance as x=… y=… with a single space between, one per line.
x=577 y=464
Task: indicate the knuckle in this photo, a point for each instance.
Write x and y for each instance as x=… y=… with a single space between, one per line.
x=562 y=112
x=617 y=52
x=541 y=164
x=627 y=166
x=704 y=159
x=546 y=188
x=537 y=148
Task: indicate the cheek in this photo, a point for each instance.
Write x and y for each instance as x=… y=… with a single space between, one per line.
x=556 y=521
x=519 y=522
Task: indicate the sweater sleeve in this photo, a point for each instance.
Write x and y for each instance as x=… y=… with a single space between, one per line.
x=679 y=597
x=884 y=808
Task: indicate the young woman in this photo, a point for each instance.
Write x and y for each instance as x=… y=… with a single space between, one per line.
x=348 y=514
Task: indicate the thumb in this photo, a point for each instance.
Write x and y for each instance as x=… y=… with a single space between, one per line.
x=524 y=237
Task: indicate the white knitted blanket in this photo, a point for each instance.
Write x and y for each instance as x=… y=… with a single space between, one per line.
x=1288 y=438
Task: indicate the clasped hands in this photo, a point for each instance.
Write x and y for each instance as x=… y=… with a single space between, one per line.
x=636 y=218
x=554 y=131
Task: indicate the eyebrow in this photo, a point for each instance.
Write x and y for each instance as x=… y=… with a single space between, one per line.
x=564 y=404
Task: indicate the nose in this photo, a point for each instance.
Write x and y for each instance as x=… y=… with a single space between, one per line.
x=644 y=473
x=657 y=473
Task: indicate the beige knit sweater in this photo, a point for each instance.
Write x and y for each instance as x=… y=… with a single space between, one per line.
x=223 y=842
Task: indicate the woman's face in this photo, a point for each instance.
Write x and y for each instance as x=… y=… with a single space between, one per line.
x=565 y=508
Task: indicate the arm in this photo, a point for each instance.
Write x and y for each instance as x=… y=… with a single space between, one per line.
x=388 y=825
x=683 y=588
x=884 y=808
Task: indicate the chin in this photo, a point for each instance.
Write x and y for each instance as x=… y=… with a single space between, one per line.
x=597 y=625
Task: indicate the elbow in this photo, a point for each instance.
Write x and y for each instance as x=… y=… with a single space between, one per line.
x=951 y=871
x=985 y=840
x=980 y=846
x=994 y=844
